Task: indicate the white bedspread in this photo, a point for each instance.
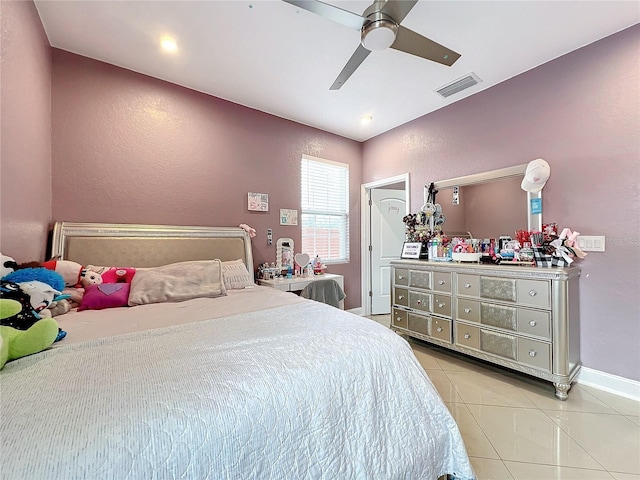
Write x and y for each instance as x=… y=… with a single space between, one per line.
x=92 y=324
x=304 y=391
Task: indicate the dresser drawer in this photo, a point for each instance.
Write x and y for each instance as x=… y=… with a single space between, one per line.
x=442 y=282
x=468 y=310
x=401 y=296
x=535 y=293
x=534 y=322
x=536 y=354
x=499 y=344
x=420 y=301
x=468 y=285
x=467 y=336
x=399 y=318
x=499 y=316
x=419 y=279
x=441 y=329
x=441 y=305
x=418 y=323
x=401 y=276
x=496 y=288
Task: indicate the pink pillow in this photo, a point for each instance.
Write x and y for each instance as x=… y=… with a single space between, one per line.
x=105 y=295
x=118 y=275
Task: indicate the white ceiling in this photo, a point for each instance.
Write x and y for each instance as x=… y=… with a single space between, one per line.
x=274 y=57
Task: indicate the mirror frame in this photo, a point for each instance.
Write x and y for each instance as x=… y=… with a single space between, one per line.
x=534 y=221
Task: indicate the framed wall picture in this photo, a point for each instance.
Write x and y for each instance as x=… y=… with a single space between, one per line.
x=258 y=202
x=413 y=250
x=288 y=216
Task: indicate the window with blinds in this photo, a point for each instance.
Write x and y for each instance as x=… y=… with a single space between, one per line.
x=325 y=209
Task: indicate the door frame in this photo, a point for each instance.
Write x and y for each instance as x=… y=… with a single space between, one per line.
x=365 y=231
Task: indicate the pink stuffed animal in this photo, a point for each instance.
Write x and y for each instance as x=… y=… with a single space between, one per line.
x=251 y=231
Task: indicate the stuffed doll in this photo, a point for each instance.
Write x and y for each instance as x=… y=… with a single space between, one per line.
x=43 y=287
x=71 y=271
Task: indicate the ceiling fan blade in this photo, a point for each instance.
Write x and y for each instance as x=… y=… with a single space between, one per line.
x=411 y=42
x=331 y=12
x=398 y=9
x=354 y=62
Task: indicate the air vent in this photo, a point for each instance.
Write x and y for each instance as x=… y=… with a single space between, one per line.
x=459 y=85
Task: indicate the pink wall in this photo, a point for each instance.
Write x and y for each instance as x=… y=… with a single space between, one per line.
x=581 y=113
x=25 y=153
x=128 y=148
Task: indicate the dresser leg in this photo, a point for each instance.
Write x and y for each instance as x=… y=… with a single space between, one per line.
x=562 y=390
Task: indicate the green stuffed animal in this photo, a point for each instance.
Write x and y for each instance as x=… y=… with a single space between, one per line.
x=16 y=343
x=22 y=331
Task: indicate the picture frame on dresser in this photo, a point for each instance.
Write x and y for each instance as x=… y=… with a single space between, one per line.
x=415 y=250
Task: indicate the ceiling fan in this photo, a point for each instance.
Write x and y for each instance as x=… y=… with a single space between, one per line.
x=380 y=28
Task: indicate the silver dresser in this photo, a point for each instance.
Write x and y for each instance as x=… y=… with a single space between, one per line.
x=523 y=318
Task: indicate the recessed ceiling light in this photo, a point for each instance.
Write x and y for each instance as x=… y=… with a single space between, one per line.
x=168 y=44
x=364 y=119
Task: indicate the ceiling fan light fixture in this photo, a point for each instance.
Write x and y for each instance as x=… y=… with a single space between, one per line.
x=379 y=35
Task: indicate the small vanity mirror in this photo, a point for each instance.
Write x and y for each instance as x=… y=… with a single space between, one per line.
x=488 y=204
x=284 y=253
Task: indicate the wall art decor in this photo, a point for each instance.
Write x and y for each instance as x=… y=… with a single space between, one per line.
x=288 y=216
x=258 y=202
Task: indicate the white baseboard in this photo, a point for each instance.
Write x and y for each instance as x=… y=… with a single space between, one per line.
x=356 y=311
x=624 y=387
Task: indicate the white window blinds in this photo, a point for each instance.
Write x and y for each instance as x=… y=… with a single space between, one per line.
x=325 y=209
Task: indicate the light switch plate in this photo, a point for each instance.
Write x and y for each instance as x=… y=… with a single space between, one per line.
x=591 y=243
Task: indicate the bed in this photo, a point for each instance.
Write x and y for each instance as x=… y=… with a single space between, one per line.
x=254 y=384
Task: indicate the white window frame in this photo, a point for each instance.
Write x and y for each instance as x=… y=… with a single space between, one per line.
x=341 y=210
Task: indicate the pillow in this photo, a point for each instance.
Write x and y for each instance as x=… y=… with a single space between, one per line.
x=105 y=295
x=177 y=282
x=235 y=275
x=118 y=275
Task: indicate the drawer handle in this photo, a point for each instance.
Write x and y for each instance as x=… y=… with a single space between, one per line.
x=440 y=305
x=439 y=329
x=418 y=302
x=467 y=310
x=398 y=319
x=467 y=335
x=532 y=353
x=533 y=323
x=400 y=297
x=468 y=285
x=532 y=293
x=441 y=282
x=400 y=277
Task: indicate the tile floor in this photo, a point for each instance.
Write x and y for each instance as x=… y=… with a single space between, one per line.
x=515 y=429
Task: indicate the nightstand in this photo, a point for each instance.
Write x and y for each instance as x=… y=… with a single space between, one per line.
x=296 y=284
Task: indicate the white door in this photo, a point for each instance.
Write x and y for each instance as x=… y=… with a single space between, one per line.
x=387 y=236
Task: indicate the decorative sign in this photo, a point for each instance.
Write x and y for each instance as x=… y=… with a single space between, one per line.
x=411 y=250
x=536 y=206
x=258 y=202
x=288 y=217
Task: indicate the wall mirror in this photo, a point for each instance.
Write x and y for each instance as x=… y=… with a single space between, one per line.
x=488 y=204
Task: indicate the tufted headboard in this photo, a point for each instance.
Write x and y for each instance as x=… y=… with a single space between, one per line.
x=147 y=245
